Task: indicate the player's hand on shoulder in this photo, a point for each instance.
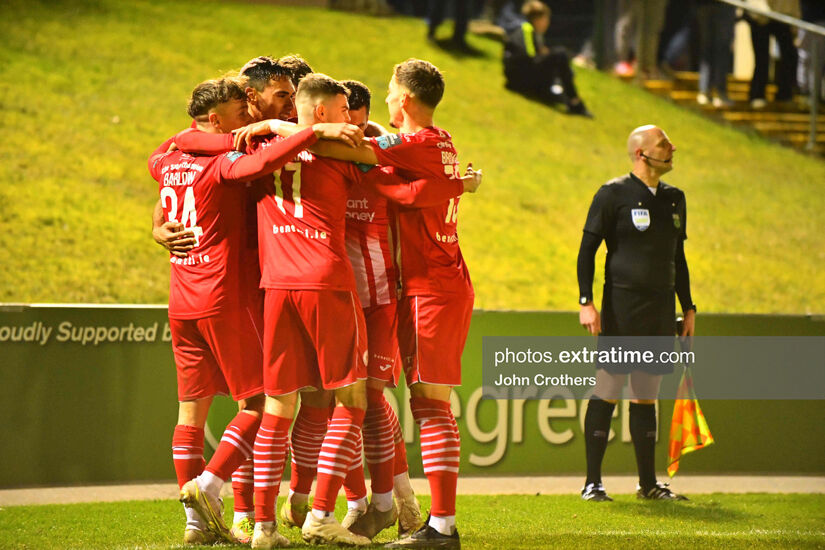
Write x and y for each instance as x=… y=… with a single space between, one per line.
x=174 y=238
x=244 y=135
x=471 y=179
x=590 y=319
x=349 y=134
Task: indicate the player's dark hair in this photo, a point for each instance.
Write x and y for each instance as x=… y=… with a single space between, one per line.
x=359 y=94
x=211 y=93
x=422 y=79
x=297 y=67
x=260 y=71
x=317 y=87
x=534 y=9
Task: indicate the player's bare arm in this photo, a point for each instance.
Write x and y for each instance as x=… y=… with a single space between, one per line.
x=171 y=235
x=348 y=134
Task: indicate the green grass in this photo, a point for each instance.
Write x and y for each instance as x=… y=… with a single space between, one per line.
x=89 y=87
x=500 y=522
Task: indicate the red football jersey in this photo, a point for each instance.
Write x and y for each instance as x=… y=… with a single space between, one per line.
x=194 y=192
x=430 y=259
x=301 y=224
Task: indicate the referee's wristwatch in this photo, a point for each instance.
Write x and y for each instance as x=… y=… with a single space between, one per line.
x=584 y=300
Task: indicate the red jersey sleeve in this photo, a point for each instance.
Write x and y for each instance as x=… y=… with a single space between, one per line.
x=154 y=158
x=201 y=143
x=419 y=193
x=238 y=167
x=419 y=154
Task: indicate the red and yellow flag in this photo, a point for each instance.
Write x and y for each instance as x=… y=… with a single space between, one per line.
x=688 y=430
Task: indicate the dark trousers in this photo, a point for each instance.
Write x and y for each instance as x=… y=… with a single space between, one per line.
x=785 y=69
x=537 y=77
x=715 y=38
x=461 y=17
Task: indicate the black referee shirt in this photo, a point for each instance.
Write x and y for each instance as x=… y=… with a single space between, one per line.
x=641 y=231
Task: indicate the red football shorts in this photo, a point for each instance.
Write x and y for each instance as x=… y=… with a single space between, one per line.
x=384 y=362
x=313 y=338
x=219 y=355
x=431 y=335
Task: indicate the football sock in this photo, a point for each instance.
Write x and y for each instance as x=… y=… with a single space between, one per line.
x=307 y=437
x=643 y=433
x=401 y=485
x=400 y=462
x=269 y=458
x=355 y=487
x=357 y=504
x=440 y=452
x=443 y=524
x=382 y=501
x=243 y=488
x=379 y=444
x=596 y=429
x=235 y=446
x=187 y=452
x=337 y=455
x=239 y=516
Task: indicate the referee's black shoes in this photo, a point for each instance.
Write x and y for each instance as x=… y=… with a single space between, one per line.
x=595 y=492
x=660 y=491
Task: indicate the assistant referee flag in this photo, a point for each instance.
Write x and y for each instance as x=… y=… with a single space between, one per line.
x=688 y=430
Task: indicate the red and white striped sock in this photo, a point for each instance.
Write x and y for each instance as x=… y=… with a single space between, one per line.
x=235 y=446
x=307 y=437
x=440 y=452
x=269 y=458
x=400 y=462
x=243 y=488
x=187 y=452
x=337 y=455
x=355 y=486
x=379 y=447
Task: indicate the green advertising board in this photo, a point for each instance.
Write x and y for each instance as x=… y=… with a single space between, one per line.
x=88 y=395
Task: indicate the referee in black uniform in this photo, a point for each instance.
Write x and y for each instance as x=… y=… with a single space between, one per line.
x=642 y=221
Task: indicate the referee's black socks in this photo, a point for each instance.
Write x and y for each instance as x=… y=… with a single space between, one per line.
x=643 y=433
x=596 y=429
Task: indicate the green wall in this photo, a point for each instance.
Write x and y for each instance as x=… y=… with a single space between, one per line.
x=75 y=412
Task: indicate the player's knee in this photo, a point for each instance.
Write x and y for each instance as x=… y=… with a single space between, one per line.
x=254 y=404
x=354 y=396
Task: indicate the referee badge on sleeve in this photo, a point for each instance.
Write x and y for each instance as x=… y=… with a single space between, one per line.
x=641 y=218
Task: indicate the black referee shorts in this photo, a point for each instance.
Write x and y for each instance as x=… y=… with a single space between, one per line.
x=632 y=312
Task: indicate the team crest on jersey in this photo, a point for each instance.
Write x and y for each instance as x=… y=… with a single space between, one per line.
x=234 y=155
x=677 y=221
x=391 y=140
x=641 y=218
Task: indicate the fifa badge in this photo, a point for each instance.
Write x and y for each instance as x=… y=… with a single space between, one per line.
x=641 y=218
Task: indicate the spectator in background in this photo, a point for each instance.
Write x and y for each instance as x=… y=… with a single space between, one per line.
x=716 y=22
x=461 y=18
x=532 y=68
x=762 y=29
x=649 y=18
x=624 y=39
x=811 y=46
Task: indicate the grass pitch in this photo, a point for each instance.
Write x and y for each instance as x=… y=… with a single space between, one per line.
x=88 y=88
x=489 y=522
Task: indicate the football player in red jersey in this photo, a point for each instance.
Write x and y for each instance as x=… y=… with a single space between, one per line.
x=215 y=322
x=437 y=296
